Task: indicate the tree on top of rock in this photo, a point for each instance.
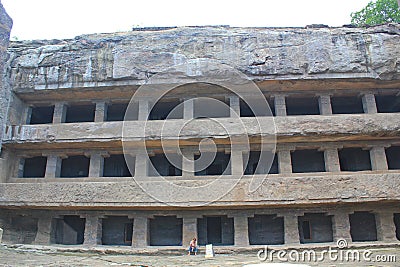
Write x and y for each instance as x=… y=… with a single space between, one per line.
x=378 y=12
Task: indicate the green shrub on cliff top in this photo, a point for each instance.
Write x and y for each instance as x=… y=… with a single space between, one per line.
x=378 y=12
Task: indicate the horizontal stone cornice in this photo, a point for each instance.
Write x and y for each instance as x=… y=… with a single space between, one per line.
x=290 y=129
x=275 y=190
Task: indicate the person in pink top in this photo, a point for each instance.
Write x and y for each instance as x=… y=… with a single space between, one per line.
x=193 y=246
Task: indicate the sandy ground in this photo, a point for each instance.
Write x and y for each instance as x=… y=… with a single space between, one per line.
x=32 y=257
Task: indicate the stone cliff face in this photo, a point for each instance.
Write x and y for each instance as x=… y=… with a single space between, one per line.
x=260 y=53
x=5 y=28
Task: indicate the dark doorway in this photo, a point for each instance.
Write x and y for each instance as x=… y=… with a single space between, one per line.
x=266 y=230
x=166 y=109
x=161 y=165
x=362 y=226
x=388 y=103
x=315 y=228
x=166 y=231
x=34 y=167
x=302 y=106
x=70 y=230
x=256 y=165
x=75 y=166
x=346 y=105
x=396 y=219
x=245 y=110
x=310 y=160
x=117 y=230
x=217 y=167
x=116 y=112
x=42 y=115
x=393 y=156
x=216 y=230
x=257 y=107
x=80 y=113
x=354 y=159
x=211 y=108
x=23 y=230
x=115 y=166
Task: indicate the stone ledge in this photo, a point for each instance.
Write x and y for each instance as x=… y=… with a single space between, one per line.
x=312 y=128
x=273 y=192
x=125 y=89
x=188 y=179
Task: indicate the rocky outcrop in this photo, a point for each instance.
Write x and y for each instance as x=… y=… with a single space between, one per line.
x=5 y=28
x=260 y=53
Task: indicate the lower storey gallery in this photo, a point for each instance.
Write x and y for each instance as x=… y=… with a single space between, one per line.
x=217 y=227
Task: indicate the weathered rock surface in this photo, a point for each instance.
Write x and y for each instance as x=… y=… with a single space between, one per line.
x=260 y=53
x=5 y=28
x=295 y=189
x=352 y=127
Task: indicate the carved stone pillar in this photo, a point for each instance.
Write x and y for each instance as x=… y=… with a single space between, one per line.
x=236 y=162
x=96 y=165
x=141 y=164
x=143 y=112
x=60 y=112
x=325 y=107
x=101 y=111
x=341 y=226
x=291 y=228
x=385 y=226
x=284 y=160
x=140 y=237
x=280 y=105
x=53 y=166
x=188 y=163
x=188 y=109
x=93 y=229
x=378 y=158
x=234 y=104
x=189 y=230
x=331 y=157
x=369 y=103
x=43 y=234
x=241 y=231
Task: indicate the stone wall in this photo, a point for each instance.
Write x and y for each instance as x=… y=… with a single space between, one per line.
x=264 y=54
x=260 y=53
x=5 y=28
